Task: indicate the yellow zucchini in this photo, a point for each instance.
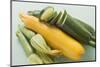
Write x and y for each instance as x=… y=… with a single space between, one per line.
x=55 y=38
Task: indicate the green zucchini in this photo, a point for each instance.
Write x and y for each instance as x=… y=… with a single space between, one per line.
x=62 y=18
x=49 y=19
x=88 y=27
x=46 y=13
x=78 y=28
x=65 y=17
x=34 y=13
x=55 y=19
x=68 y=29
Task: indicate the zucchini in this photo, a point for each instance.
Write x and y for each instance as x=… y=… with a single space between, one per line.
x=34 y=13
x=46 y=13
x=65 y=17
x=69 y=30
x=55 y=13
x=88 y=27
x=62 y=18
x=33 y=58
x=78 y=28
x=55 y=19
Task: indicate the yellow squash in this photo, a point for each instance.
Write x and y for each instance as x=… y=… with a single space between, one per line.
x=55 y=38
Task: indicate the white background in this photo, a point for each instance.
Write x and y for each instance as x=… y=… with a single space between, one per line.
x=5 y=33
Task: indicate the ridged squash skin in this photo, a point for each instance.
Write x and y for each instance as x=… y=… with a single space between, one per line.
x=55 y=38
